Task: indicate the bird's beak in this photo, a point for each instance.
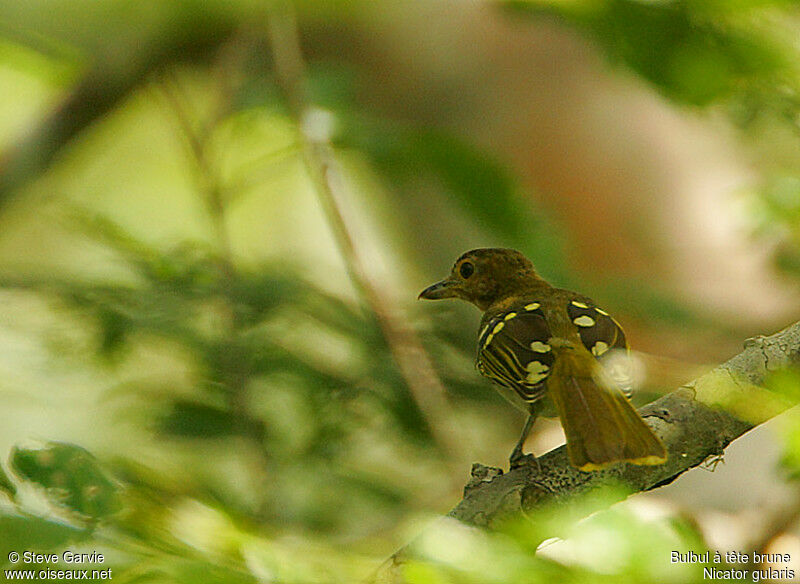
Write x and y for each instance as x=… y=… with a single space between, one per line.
x=439 y=290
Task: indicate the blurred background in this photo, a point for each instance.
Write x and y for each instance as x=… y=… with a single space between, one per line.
x=215 y=218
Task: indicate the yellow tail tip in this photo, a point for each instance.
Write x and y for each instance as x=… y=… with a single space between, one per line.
x=651 y=460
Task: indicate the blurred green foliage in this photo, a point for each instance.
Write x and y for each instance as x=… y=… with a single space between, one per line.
x=6 y=485
x=737 y=56
x=776 y=212
x=695 y=51
x=284 y=435
x=610 y=546
x=787 y=383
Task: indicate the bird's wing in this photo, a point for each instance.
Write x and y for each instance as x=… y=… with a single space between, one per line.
x=513 y=351
x=599 y=332
x=603 y=337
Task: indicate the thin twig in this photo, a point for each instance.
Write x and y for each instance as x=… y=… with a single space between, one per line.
x=207 y=182
x=211 y=191
x=413 y=361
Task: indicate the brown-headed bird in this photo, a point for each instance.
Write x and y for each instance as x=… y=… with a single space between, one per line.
x=543 y=345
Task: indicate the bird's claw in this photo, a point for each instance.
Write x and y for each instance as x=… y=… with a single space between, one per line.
x=518 y=459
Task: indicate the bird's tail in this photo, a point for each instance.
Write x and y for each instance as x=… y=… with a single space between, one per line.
x=600 y=424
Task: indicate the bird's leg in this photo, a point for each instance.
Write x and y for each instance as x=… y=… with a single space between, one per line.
x=517 y=458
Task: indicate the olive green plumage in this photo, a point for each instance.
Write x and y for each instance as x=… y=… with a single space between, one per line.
x=542 y=344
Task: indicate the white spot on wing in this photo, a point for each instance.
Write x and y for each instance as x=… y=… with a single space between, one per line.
x=584 y=321
x=599 y=348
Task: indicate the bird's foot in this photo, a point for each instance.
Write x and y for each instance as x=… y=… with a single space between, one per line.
x=518 y=459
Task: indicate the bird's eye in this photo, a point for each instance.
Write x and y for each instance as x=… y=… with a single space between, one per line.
x=466 y=270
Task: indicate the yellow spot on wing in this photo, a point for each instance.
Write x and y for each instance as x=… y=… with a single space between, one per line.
x=599 y=348
x=584 y=321
x=601 y=311
x=498 y=327
x=579 y=304
x=536 y=371
x=536 y=367
x=488 y=338
x=532 y=306
x=510 y=315
x=540 y=347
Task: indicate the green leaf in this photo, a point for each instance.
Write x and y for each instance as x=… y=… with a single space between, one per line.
x=6 y=485
x=71 y=477
x=114 y=330
x=695 y=52
x=18 y=533
x=787 y=383
x=189 y=419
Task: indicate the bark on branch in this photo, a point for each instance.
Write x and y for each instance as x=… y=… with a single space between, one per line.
x=696 y=421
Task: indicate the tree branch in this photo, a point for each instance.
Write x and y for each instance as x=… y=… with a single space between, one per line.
x=695 y=422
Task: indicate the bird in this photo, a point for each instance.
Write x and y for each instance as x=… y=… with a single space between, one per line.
x=549 y=349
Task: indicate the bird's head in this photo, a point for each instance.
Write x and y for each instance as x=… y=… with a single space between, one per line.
x=484 y=276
